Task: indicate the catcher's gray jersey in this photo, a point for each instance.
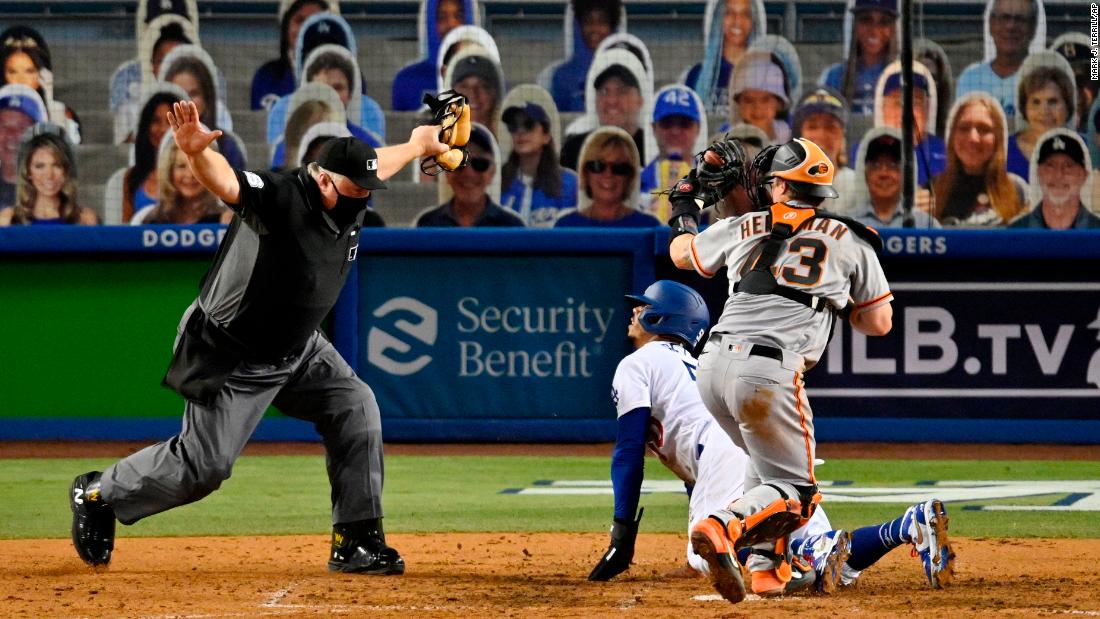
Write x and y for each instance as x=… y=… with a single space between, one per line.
x=825 y=259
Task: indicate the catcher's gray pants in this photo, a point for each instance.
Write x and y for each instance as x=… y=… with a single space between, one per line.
x=317 y=386
x=761 y=404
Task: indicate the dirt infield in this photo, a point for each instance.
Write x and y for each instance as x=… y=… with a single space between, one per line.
x=514 y=575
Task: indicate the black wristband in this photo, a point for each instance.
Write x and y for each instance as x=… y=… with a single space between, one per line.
x=684 y=206
x=684 y=224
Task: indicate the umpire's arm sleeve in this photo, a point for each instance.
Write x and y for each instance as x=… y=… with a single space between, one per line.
x=214 y=172
x=628 y=462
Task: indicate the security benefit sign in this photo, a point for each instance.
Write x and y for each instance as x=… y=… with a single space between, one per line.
x=493 y=337
x=1020 y=350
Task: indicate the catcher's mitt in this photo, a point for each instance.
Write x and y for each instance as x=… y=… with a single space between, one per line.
x=722 y=168
x=451 y=112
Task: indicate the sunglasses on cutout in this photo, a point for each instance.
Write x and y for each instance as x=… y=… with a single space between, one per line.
x=480 y=164
x=527 y=124
x=597 y=166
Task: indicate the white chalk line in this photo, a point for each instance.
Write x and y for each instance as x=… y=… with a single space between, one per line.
x=714 y=597
x=277 y=597
x=317 y=609
x=630 y=602
x=272 y=612
x=275 y=602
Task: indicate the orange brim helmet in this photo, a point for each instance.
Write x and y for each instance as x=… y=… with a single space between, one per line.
x=805 y=167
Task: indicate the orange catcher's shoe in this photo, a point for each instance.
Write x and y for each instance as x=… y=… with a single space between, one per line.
x=714 y=541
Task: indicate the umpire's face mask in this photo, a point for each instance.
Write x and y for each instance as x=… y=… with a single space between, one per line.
x=348 y=204
x=347 y=207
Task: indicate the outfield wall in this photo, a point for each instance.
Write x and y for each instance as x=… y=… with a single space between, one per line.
x=514 y=335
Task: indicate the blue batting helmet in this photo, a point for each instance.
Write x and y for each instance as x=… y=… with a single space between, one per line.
x=674 y=309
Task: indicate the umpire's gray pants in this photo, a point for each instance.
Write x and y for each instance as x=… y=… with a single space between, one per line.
x=317 y=386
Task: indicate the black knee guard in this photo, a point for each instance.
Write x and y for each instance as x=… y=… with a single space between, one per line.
x=808 y=498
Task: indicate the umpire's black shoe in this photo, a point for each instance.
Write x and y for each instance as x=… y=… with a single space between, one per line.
x=93 y=521
x=368 y=556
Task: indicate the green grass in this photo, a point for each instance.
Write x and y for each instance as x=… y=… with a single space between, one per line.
x=270 y=495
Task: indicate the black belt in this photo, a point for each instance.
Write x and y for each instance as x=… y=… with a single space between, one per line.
x=763 y=350
x=758 y=350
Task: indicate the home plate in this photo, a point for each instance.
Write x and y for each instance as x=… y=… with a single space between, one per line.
x=714 y=597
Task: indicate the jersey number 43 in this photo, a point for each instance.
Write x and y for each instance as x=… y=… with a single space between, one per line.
x=808 y=270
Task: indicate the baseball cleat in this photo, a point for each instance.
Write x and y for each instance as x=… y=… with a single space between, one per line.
x=769 y=583
x=803 y=577
x=766 y=583
x=93 y=521
x=827 y=553
x=928 y=531
x=793 y=576
x=370 y=556
x=849 y=577
x=711 y=540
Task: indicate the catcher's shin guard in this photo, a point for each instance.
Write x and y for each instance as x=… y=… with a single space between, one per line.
x=452 y=113
x=779 y=518
x=791 y=574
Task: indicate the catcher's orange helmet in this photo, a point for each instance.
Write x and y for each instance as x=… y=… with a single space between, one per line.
x=805 y=167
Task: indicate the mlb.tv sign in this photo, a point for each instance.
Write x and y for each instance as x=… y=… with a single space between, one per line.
x=1022 y=350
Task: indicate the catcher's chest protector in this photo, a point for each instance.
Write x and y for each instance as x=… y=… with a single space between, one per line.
x=785 y=221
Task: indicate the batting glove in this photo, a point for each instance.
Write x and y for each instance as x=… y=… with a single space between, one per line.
x=619 y=554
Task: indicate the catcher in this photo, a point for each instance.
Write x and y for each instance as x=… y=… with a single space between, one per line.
x=659 y=407
x=792 y=269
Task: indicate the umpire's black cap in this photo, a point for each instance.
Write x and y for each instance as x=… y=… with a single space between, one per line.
x=353 y=158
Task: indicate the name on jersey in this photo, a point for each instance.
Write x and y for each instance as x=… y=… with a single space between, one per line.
x=586 y=328
x=758 y=224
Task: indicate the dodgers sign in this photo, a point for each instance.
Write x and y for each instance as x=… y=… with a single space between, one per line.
x=493 y=337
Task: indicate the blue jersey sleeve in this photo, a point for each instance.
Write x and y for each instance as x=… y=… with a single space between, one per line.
x=628 y=462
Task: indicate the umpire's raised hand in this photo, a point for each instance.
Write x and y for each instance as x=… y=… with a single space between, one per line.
x=191 y=137
x=426 y=137
x=209 y=167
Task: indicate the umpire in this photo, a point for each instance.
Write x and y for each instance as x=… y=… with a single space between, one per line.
x=251 y=340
